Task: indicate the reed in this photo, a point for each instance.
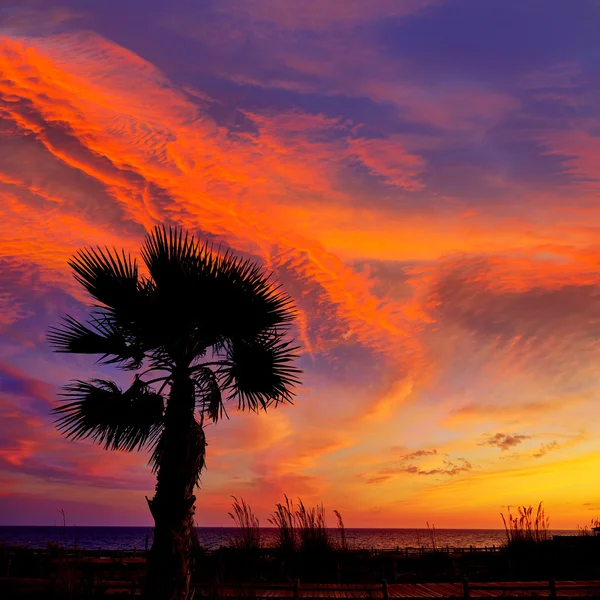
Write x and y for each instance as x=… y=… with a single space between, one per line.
x=588 y=530
x=66 y=576
x=312 y=528
x=248 y=526
x=284 y=522
x=341 y=530
x=432 y=535
x=528 y=525
x=304 y=528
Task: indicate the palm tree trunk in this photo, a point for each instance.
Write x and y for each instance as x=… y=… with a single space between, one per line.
x=181 y=457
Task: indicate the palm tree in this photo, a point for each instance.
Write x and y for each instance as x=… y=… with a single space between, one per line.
x=205 y=328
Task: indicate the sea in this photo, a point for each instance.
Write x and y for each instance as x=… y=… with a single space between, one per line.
x=211 y=538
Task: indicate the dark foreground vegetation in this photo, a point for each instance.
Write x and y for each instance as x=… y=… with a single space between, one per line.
x=307 y=551
x=62 y=573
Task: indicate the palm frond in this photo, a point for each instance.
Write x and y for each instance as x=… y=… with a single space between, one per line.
x=112 y=418
x=260 y=373
x=110 y=277
x=170 y=254
x=211 y=297
x=127 y=300
x=251 y=299
x=104 y=337
x=210 y=400
x=180 y=269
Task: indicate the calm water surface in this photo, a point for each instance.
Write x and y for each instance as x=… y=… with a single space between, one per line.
x=127 y=538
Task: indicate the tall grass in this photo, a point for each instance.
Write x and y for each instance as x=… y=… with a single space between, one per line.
x=248 y=535
x=342 y=530
x=283 y=519
x=304 y=528
x=432 y=535
x=587 y=530
x=528 y=525
x=312 y=528
x=298 y=527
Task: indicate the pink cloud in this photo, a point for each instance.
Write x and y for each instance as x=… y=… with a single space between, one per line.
x=315 y=15
x=504 y=441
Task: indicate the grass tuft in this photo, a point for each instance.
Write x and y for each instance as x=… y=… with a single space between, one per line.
x=312 y=528
x=588 y=530
x=527 y=525
x=283 y=519
x=342 y=530
x=248 y=537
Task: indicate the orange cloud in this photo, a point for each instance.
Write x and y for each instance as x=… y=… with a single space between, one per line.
x=150 y=135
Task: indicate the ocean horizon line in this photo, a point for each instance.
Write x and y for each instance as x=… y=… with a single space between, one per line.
x=233 y=527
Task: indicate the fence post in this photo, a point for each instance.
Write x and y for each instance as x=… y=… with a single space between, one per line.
x=133 y=586
x=465 y=587
x=296 y=588
x=384 y=589
x=552 y=586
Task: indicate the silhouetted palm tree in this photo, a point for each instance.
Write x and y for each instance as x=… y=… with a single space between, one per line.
x=205 y=328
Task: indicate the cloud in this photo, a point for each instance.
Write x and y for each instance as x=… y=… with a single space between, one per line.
x=312 y=15
x=504 y=441
x=140 y=153
x=390 y=160
x=378 y=479
x=29 y=17
x=545 y=448
x=13 y=382
x=449 y=467
x=480 y=295
x=419 y=454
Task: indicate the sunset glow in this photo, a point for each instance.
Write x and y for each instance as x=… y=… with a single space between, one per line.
x=423 y=177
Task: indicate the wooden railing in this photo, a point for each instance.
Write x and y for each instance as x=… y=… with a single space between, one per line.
x=294 y=590
x=141 y=553
x=551 y=587
x=420 y=550
x=133 y=588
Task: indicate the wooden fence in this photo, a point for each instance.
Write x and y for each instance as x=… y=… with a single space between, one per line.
x=552 y=588
x=467 y=590
x=73 y=553
x=294 y=590
x=420 y=550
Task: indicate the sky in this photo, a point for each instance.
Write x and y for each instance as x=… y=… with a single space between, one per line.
x=422 y=176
